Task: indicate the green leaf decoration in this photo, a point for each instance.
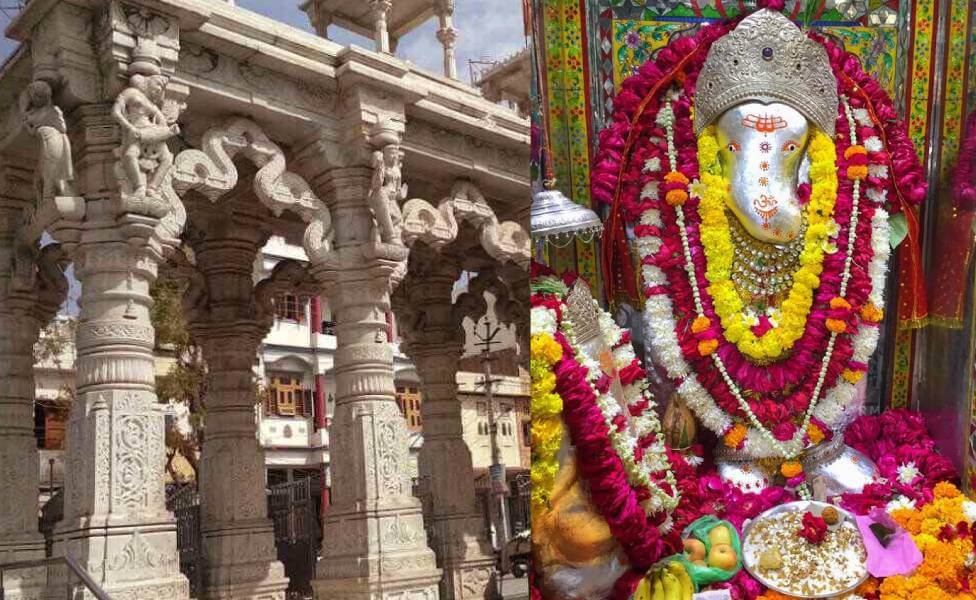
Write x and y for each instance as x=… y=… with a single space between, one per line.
x=899 y=229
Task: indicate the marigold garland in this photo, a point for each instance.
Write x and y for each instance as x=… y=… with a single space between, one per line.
x=547 y=429
x=716 y=239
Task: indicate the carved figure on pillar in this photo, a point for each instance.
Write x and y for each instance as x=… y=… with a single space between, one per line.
x=55 y=173
x=387 y=189
x=144 y=158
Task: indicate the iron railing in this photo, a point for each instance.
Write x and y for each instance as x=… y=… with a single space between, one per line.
x=73 y=567
x=294 y=509
x=184 y=502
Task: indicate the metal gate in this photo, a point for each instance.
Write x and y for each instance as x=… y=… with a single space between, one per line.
x=293 y=507
x=184 y=502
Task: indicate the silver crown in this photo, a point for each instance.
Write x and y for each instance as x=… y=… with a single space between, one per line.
x=767 y=58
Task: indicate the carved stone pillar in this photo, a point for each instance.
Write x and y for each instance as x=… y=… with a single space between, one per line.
x=447 y=35
x=380 y=10
x=115 y=522
x=28 y=300
x=433 y=339
x=375 y=545
x=238 y=538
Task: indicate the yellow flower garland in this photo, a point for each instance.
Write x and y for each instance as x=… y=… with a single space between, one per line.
x=716 y=239
x=547 y=427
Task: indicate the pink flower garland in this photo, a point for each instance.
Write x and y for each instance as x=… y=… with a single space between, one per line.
x=894 y=439
x=617 y=502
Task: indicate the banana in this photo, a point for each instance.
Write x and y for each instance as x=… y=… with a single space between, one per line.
x=643 y=591
x=679 y=571
x=672 y=587
x=658 y=586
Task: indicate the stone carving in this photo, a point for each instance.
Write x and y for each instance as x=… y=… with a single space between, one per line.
x=55 y=173
x=211 y=171
x=474 y=582
x=137 y=554
x=130 y=461
x=399 y=534
x=287 y=276
x=144 y=22
x=506 y=241
x=144 y=159
x=387 y=189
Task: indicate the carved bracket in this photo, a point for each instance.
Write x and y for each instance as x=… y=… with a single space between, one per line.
x=211 y=172
x=39 y=286
x=505 y=241
x=288 y=276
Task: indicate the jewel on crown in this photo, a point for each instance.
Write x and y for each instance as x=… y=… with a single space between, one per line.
x=767 y=58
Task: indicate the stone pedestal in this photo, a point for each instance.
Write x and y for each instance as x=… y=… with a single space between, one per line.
x=374 y=545
x=116 y=525
x=238 y=538
x=431 y=326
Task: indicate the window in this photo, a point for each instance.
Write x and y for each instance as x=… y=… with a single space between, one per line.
x=409 y=400
x=289 y=307
x=287 y=397
x=526 y=433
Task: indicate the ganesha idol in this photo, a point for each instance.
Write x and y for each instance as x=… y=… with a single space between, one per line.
x=754 y=169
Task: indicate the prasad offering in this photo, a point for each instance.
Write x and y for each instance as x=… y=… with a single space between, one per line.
x=805 y=549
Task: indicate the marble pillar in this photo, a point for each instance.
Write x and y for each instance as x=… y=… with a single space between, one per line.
x=380 y=10
x=433 y=339
x=28 y=300
x=238 y=538
x=116 y=525
x=447 y=35
x=374 y=544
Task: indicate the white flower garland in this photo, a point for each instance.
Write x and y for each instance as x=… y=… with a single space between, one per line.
x=661 y=337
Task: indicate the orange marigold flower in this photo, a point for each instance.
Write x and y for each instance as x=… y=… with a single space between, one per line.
x=868 y=588
x=734 y=438
x=852 y=376
x=791 y=468
x=813 y=432
x=910 y=520
x=944 y=489
x=700 y=324
x=706 y=347
x=836 y=325
x=871 y=313
x=855 y=149
x=676 y=197
x=839 y=303
x=676 y=177
x=855 y=172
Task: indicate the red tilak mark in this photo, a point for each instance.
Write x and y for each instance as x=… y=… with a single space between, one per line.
x=764 y=123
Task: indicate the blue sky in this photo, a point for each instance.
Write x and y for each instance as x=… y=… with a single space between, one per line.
x=489 y=29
